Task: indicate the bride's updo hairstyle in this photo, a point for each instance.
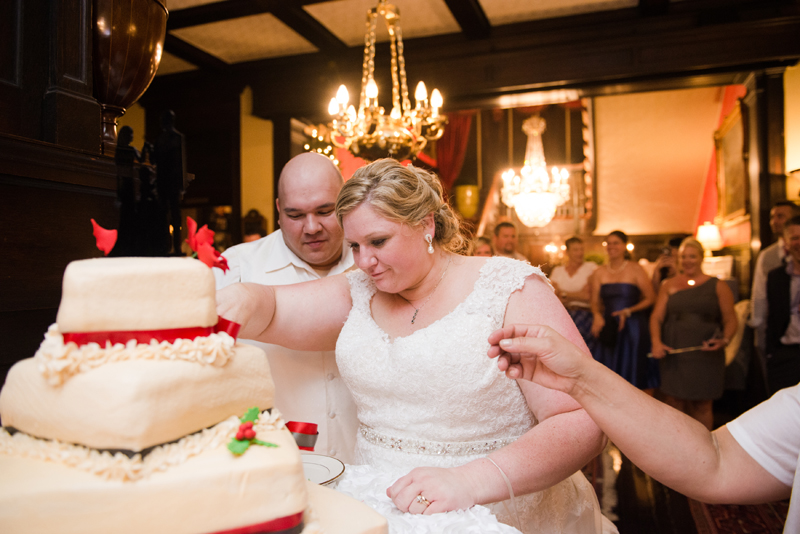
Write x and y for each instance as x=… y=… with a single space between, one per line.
x=405 y=195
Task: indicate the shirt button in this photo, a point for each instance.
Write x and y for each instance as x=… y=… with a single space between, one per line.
x=332 y=415
x=333 y=452
x=330 y=376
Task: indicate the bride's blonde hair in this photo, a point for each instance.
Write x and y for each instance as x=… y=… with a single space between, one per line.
x=404 y=195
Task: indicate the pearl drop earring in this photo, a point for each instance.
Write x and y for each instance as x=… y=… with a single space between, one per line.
x=429 y=239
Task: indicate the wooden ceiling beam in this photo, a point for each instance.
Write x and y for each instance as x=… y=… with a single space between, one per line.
x=216 y=12
x=653 y=7
x=470 y=16
x=187 y=52
x=308 y=27
x=293 y=15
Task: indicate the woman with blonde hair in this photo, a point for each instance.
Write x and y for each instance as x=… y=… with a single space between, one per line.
x=441 y=428
x=482 y=246
x=693 y=310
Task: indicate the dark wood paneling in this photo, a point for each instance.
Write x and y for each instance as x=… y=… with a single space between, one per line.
x=22 y=331
x=10 y=41
x=48 y=195
x=45 y=226
x=25 y=49
x=209 y=119
x=70 y=114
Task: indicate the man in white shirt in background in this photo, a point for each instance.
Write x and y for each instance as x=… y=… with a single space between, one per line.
x=308 y=246
x=769 y=258
x=505 y=241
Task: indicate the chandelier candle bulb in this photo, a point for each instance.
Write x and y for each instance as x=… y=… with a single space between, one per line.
x=342 y=96
x=421 y=94
x=368 y=131
x=436 y=100
x=372 y=90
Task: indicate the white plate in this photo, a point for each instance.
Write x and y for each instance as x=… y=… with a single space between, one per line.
x=321 y=469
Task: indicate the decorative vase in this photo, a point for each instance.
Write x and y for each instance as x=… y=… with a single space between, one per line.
x=127 y=43
x=467 y=197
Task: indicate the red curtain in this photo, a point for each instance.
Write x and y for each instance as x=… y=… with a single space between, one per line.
x=708 y=204
x=452 y=147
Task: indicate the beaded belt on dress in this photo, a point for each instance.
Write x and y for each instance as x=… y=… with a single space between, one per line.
x=419 y=446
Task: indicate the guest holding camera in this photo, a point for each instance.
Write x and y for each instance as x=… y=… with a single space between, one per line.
x=693 y=310
x=667 y=264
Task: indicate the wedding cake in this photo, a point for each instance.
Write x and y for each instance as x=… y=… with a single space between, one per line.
x=139 y=413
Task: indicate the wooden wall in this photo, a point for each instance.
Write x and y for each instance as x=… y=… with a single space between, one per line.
x=53 y=178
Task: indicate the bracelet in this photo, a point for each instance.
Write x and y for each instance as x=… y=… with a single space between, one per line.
x=511 y=497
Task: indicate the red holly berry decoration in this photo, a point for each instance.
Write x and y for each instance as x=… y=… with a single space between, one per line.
x=245 y=435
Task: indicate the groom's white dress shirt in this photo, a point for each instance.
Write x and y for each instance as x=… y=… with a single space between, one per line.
x=308 y=386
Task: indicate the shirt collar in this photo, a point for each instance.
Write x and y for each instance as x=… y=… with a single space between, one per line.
x=282 y=256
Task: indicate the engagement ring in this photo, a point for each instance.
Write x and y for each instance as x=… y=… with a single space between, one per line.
x=422 y=500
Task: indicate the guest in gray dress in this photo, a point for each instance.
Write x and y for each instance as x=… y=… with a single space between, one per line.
x=692 y=310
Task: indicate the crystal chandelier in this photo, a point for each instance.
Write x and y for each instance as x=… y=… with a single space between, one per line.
x=368 y=132
x=534 y=193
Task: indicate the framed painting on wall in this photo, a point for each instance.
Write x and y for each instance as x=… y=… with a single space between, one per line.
x=733 y=184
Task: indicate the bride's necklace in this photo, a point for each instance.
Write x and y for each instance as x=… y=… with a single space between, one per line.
x=416 y=310
x=618 y=269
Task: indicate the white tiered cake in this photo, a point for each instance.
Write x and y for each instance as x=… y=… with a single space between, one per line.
x=103 y=433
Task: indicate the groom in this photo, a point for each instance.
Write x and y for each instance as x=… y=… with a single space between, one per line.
x=308 y=246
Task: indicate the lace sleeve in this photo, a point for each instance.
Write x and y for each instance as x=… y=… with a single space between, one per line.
x=361 y=289
x=500 y=278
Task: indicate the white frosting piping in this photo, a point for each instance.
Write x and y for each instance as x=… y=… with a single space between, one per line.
x=57 y=361
x=120 y=467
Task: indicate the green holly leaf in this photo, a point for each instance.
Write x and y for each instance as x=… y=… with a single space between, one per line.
x=251 y=415
x=238 y=447
x=263 y=443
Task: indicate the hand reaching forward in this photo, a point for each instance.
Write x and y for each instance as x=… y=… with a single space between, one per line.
x=245 y=304
x=539 y=354
x=444 y=489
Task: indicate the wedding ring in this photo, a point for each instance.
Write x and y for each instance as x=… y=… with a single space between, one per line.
x=422 y=500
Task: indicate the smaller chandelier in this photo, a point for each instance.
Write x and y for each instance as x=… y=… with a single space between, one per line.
x=368 y=132
x=534 y=193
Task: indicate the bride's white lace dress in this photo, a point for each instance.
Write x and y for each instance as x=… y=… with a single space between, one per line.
x=434 y=398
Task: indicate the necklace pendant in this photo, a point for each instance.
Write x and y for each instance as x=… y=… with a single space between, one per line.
x=415 y=316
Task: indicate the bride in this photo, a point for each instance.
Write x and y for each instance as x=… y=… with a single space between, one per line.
x=442 y=430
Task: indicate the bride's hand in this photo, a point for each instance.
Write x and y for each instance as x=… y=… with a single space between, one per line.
x=444 y=489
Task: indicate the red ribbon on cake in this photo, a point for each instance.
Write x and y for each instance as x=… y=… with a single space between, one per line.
x=276 y=525
x=305 y=434
x=145 y=336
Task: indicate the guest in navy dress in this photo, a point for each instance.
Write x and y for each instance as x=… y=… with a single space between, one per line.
x=622 y=295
